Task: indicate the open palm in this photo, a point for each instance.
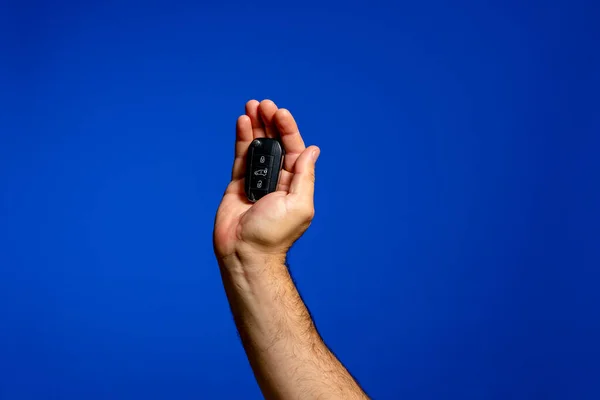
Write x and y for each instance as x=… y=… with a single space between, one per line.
x=274 y=222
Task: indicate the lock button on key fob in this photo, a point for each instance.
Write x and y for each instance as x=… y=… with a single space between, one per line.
x=263 y=166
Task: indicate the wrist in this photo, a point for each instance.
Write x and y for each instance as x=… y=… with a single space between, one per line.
x=252 y=259
x=253 y=265
x=252 y=256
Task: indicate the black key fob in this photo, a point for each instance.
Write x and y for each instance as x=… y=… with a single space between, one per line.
x=263 y=166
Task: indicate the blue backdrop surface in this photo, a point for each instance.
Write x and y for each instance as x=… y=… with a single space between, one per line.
x=455 y=249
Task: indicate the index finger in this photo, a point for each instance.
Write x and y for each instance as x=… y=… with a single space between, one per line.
x=290 y=137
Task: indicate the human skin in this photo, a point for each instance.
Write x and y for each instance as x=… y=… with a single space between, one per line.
x=287 y=355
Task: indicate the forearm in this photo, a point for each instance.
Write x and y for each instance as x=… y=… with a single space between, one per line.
x=287 y=355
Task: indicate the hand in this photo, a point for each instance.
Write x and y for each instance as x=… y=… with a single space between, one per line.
x=270 y=226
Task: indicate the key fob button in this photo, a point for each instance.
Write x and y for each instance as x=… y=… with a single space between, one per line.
x=259 y=183
x=261 y=172
x=262 y=160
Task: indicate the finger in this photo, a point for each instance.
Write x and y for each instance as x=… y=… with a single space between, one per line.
x=266 y=111
x=285 y=179
x=290 y=137
x=243 y=139
x=303 y=182
x=236 y=187
x=252 y=112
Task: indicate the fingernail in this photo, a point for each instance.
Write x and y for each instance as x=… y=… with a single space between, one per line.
x=315 y=154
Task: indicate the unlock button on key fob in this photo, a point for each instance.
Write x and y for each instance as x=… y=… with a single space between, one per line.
x=259 y=183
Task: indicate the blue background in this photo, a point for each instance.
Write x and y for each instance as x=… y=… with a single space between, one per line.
x=455 y=250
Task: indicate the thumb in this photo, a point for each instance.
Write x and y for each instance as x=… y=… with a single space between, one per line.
x=303 y=181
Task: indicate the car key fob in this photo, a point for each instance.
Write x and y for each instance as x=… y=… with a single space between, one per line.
x=263 y=166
